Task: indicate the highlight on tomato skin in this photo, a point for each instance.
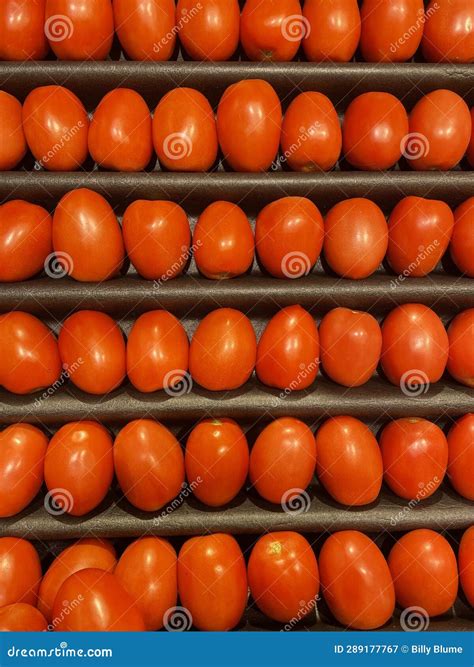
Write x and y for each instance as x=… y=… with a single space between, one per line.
x=212 y=33
x=12 y=138
x=332 y=30
x=20 y=572
x=271 y=31
x=146 y=28
x=22 y=34
x=391 y=29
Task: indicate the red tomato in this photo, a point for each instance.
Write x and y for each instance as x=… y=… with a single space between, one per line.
x=12 y=138
x=86 y=236
x=223 y=350
x=92 y=348
x=217 y=461
x=424 y=571
x=334 y=30
x=289 y=236
x=356 y=581
x=223 y=241
x=462 y=240
x=461 y=455
x=184 y=131
x=212 y=581
x=146 y=28
x=20 y=571
x=351 y=342
x=461 y=348
x=22 y=34
x=80 y=29
x=373 y=131
x=288 y=350
x=470 y=150
x=56 y=127
x=157 y=352
x=249 y=124
x=414 y=346
x=283 y=576
x=30 y=357
x=212 y=32
x=466 y=564
x=391 y=29
x=20 y=617
x=103 y=604
x=448 y=34
x=272 y=30
x=149 y=464
x=356 y=238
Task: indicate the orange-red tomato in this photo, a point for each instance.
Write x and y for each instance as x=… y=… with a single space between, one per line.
x=148 y=572
x=20 y=572
x=22 y=35
x=12 y=137
x=223 y=241
x=22 y=452
x=414 y=346
x=288 y=350
x=440 y=130
x=149 y=464
x=249 y=121
x=333 y=30
x=80 y=29
x=29 y=359
x=356 y=581
x=448 y=34
x=92 y=349
x=56 y=125
x=146 y=28
x=461 y=347
x=461 y=456
x=25 y=240
x=349 y=463
x=157 y=352
x=223 y=350
x=356 y=238
x=391 y=29
x=272 y=30
x=216 y=460
x=373 y=131
x=184 y=131
x=462 y=240
x=470 y=149
x=104 y=605
x=283 y=460
x=212 y=581
x=415 y=456
x=283 y=576
x=351 y=342
x=86 y=236
x=466 y=564
x=20 y=617
x=424 y=571
x=212 y=32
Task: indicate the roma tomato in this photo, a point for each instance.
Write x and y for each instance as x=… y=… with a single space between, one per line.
x=25 y=240
x=356 y=238
x=462 y=240
x=223 y=241
x=373 y=131
x=391 y=29
x=283 y=576
x=216 y=460
x=22 y=35
x=22 y=452
x=351 y=342
x=283 y=460
x=288 y=350
x=120 y=132
x=146 y=28
x=184 y=131
x=147 y=570
x=414 y=346
x=470 y=149
x=56 y=125
x=461 y=455
x=149 y=464
x=20 y=617
x=272 y=30
x=92 y=348
x=249 y=121
x=461 y=348
x=448 y=34
x=12 y=137
x=466 y=564
x=212 y=581
x=157 y=352
x=424 y=571
x=20 y=572
x=86 y=236
x=356 y=581
x=289 y=236
x=334 y=30
x=212 y=33
x=223 y=350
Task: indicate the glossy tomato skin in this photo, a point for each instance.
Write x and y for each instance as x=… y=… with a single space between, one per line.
x=223 y=350
x=56 y=125
x=20 y=572
x=424 y=571
x=289 y=235
x=288 y=350
x=283 y=576
x=20 y=617
x=12 y=137
x=356 y=238
x=223 y=241
x=356 y=581
x=146 y=28
x=470 y=149
x=462 y=240
x=87 y=237
x=91 y=345
x=212 y=581
x=461 y=453
x=22 y=35
x=149 y=464
x=461 y=347
x=448 y=35
x=271 y=30
x=335 y=30
x=249 y=121
x=213 y=32
x=216 y=460
x=22 y=452
x=466 y=564
x=391 y=29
